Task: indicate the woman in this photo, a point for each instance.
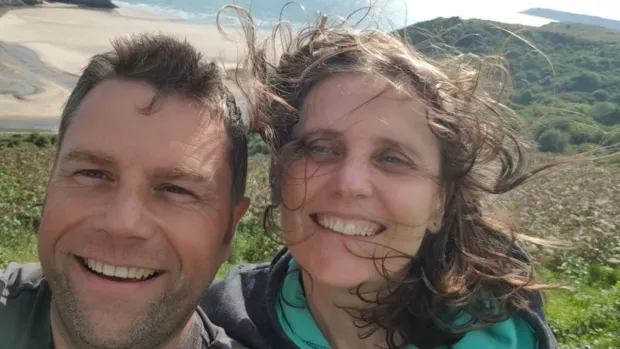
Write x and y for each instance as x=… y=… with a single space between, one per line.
x=379 y=163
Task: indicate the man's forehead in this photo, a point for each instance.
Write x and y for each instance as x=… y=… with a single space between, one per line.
x=161 y=166
x=112 y=121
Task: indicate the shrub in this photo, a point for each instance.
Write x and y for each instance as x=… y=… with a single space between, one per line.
x=582 y=133
x=585 y=82
x=553 y=140
x=605 y=113
x=601 y=95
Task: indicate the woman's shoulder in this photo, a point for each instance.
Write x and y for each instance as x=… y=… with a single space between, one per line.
x=245 y=273
x=527 y=329
x=513 y=333
x=232 y=302
x=237 y=285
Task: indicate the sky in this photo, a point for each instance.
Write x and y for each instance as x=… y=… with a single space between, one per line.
x=506 y=10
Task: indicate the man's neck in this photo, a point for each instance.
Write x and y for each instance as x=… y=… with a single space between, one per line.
x=62 y=340
x=337 y=325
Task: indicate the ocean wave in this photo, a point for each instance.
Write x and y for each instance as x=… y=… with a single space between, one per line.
x=197 y=17
x=170 y=11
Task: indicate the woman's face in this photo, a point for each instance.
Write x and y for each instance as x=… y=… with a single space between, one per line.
x=364 y=184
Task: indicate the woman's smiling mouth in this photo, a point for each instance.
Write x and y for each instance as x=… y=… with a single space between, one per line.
x=351 y=227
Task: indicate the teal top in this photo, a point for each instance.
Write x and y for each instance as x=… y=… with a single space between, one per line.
x=299 y=325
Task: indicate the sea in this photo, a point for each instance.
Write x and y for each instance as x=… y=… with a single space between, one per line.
x=391 y=13
x=387 y=14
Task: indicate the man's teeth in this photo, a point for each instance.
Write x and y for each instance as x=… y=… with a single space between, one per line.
x=360 y=228
x=119 y=272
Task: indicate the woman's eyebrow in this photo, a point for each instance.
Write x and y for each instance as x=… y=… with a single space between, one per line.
x=322 y=132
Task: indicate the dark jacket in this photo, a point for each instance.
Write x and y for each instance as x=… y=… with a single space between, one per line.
x=25 y=299
x=244 y=304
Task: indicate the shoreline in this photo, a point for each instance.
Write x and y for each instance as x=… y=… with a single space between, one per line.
x=44 y=48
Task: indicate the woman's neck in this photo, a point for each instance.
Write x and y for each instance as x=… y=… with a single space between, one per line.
x=328 y=308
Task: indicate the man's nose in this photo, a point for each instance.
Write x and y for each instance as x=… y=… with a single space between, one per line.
x=125 y=215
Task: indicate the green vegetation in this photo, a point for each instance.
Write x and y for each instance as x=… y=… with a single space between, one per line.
x=20 y=140
x=565 y=76
x=589 y=316
x=23 y=174
x=578 y=205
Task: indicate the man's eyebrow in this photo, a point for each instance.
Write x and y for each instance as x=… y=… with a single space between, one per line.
x=182 y=173
x=90 y=156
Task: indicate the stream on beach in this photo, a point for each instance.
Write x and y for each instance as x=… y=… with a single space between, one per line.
x=13 y=81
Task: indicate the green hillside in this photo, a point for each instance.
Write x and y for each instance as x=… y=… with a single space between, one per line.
x=566 y=76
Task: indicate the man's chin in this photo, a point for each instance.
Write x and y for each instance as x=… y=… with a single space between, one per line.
x=117 y=318
x=102 y=326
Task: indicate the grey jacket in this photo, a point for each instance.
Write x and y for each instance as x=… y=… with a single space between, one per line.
x=25 y=299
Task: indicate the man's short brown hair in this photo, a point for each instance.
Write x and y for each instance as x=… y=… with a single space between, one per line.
x=172 y=67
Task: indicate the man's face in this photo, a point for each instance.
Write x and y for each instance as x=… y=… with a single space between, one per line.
x=136 y=217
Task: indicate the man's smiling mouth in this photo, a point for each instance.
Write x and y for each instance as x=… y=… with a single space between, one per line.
x=117 y=272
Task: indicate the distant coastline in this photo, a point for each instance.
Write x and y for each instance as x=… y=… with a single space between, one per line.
x=568 y=17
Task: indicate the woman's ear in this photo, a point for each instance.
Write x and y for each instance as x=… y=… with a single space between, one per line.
x=436 y=220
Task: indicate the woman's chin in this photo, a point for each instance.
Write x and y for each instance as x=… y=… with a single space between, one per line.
x=346 y=272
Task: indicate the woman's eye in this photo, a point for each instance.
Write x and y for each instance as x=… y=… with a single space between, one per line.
x=319 y=149
x=393 y=160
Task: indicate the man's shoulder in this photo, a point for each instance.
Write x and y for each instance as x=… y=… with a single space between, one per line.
x=24 y=307
x=18 y=279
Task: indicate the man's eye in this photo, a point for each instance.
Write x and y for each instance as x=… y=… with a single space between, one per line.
x=92 y=174
x=173 y=189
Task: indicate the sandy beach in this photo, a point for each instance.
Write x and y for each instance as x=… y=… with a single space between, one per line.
x=44 y=49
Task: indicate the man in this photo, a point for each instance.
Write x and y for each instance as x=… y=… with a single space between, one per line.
x=145 y=193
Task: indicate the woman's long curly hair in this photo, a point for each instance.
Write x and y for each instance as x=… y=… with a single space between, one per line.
x=473 y=264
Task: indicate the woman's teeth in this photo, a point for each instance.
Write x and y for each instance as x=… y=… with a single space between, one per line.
x=118 y=271
x=348 y=227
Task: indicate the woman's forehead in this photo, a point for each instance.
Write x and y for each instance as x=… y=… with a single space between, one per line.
x=343 y=101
